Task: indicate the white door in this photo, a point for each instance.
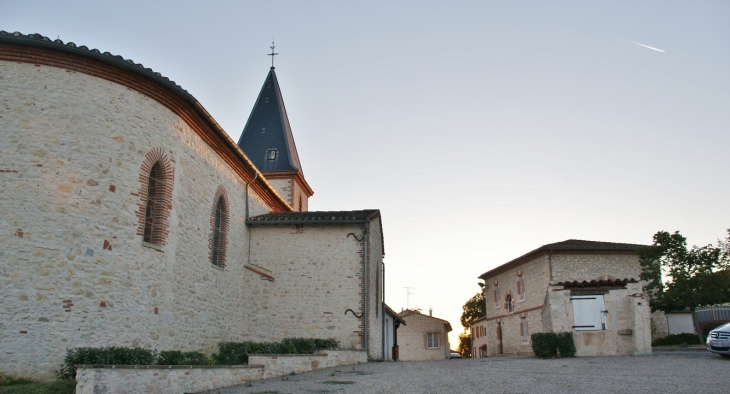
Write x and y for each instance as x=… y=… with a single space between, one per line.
x=589 y=313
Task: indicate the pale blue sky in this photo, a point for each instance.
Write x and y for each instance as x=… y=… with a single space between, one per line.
x=482 y=130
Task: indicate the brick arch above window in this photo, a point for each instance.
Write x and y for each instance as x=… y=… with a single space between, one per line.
x=156 y=178
x=219 y=220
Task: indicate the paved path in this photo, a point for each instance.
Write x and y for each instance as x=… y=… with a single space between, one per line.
x=663 y=372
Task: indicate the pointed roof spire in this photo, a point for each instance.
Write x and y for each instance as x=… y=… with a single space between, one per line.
x=267 y=138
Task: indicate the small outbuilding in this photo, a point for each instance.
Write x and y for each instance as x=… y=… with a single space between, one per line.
x=424 y=337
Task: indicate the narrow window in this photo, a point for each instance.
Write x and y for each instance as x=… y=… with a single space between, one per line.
x=218 y=233
x=520 y=288
x=508 y=304
x=523 y=329
x=496 y=294
x=154 y=205
x=432 y=340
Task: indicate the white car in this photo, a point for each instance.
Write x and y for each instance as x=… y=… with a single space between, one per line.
x=718 y=341
x=455 y=355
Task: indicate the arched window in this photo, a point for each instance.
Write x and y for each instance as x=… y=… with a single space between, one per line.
x=154 y=205
x=509 y=304
x=219 y=230
x=156 y=177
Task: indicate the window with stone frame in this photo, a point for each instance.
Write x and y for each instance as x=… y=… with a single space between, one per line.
x=496 y=294
x=509 y=303
x=523 y=329
x=154 y=205
x=220 y=227
x=520 y=287
x=432 y=340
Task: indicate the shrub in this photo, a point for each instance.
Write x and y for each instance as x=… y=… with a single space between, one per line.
x=236 y=353
x=103 y=356
x=552 y=345
x=544 y=344
x=677 y=339
x=709 y=327
x=176 y=357
x=565 y=345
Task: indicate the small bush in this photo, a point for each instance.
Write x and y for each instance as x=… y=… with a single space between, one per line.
x=565 y=345
x=544 y=344
x=236 y=353
x=103 y=356
x=677 y=339
x=552 y=345
x=176 y=357
x=709 y=327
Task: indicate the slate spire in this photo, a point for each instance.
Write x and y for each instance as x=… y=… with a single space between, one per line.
x=267 y=138
x=268 y=142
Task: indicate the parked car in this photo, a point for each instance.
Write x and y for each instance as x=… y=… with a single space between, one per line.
x=455 y=355
x=718 y=341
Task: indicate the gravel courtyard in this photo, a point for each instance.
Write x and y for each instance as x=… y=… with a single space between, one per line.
x=662 y=372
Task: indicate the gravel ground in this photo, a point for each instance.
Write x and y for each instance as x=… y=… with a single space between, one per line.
x=662 y=372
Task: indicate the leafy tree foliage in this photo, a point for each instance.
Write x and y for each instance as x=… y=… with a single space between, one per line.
x=695 y=277
x=474 y=308
x=464 y=345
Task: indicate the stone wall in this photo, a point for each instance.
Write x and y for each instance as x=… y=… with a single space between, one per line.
x=278 y=365
x=315 y=280
x=163 y=379
x=75 y=270
x=412 y=338
x=589 y=266
x=535 y=274
x=628 y=328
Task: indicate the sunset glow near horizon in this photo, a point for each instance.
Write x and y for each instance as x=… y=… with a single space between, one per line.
x=481 y=130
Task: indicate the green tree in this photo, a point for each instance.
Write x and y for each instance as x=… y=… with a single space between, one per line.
x=692 y=277
x=464 y=345
x=473 y=309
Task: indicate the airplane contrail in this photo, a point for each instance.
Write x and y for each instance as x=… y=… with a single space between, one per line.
x=646 y=46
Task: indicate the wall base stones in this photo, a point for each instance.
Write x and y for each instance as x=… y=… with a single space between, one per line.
x=165 y=379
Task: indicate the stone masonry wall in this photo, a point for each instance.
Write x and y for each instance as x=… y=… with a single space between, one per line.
x=316 y=272
x=412 y=338
x=74 y=269
x=535 y=274
x=590 y=266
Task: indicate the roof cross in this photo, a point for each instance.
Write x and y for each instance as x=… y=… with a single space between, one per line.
x=272 y=54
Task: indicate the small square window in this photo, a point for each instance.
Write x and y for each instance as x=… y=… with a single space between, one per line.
x=432 y=340
x=271 y=154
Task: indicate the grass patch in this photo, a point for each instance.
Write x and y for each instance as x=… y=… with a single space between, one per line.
x=339 y=382
x=56 y=387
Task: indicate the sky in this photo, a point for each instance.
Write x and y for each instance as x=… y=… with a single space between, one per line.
x=480 y=129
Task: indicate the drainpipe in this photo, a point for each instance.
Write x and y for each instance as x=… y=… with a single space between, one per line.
x=248 y=183
x=384 y=333
x=248 y=258
x=366 y=295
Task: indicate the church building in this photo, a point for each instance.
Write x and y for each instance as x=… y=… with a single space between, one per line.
x=130 y=218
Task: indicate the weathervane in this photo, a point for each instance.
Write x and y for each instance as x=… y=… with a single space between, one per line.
x=272 y=54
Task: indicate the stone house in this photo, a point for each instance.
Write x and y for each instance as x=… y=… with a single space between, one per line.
x=424 y=337
x=130 y=218
x=478 y=333
x=589 y=288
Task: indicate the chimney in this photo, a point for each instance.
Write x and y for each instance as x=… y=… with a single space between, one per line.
x=430 y=312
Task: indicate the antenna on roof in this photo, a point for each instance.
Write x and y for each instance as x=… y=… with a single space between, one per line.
x=272 y=54
x=408 y=296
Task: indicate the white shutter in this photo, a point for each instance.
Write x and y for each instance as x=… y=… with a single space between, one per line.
x=588 y=312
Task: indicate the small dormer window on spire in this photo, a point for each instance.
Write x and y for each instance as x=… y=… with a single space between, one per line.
x=271 y=154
